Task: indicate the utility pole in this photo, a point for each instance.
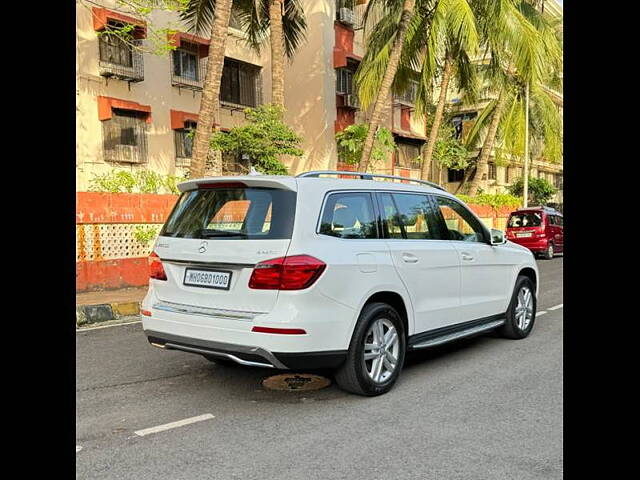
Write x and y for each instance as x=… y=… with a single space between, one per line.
x=526 y=148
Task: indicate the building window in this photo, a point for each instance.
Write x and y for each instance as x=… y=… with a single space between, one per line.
x=493 y=171
x=408 y=97
x=120 y=56
x=234 y=19
x=344 y=81
x=235 y=164
x=125 y=136
x=455 y=175
x=558 y=182
x=462 y=124
x=513 y=174
x=241 y=83
x=184 y=143
x=407 y=155
x=188 y=66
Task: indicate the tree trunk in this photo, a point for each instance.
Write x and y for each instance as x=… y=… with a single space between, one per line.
x=427 y=155
x=380 y=105
x=483 y=161
x=277 y=52
x=210 y=101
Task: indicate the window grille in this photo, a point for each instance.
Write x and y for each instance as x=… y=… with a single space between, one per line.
x=184 y=144
x=187 y=68
x=120 y=58
x=241 y=84
x=125 y=137
x=408 y=156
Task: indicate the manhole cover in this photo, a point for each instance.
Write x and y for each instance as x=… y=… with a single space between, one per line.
x=295 y=382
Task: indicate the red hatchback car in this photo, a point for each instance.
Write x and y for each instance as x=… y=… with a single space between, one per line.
x=539 y=229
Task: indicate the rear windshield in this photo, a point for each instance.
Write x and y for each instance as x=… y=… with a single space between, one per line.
x=528 y=219
x=238 y=213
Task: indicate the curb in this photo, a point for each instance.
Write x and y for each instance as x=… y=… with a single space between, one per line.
x=90 y=314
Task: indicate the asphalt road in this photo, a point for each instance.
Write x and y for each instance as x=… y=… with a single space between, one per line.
x=482 y=408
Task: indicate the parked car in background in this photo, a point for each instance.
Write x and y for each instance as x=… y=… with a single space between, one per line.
x=348 y=274
x=540 y=229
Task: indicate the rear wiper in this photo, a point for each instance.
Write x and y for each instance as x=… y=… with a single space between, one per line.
x=207 y=233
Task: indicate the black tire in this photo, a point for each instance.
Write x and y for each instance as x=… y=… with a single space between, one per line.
x=352 y=375
x=220 y=360
x=549 y=252
x=511 y=329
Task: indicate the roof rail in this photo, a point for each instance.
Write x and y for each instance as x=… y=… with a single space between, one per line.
x=367 y=176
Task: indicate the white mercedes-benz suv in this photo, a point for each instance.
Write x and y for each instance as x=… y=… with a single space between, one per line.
x=321 y=271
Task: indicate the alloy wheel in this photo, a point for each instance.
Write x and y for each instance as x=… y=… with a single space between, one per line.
x=524 y=308
x=381 y=350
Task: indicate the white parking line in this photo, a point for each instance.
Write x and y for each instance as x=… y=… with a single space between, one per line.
x=540 y=313
x=106 y=326
x=169 y=426
x=556 y=307
x=78 y=448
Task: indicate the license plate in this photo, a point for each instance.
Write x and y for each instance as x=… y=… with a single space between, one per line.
x=207 y=278
x=521 y=235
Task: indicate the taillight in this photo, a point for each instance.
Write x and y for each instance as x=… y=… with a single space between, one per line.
x=286 y=273
x=156 y=270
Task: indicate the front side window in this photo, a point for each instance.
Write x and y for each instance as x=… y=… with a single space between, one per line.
x=349 y=215
x=232 y=213
x=408 y=216
x=460 y=223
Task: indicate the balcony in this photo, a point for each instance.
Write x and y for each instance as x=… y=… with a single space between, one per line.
x=120 y=58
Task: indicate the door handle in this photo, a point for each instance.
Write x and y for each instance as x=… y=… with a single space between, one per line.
x=466 y=256
x=409 y=258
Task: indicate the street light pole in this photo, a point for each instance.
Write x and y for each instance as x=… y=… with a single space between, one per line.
x=526 y=148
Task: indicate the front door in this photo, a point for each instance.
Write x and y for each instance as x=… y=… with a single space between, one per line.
x=428 y=266
x=486 y=270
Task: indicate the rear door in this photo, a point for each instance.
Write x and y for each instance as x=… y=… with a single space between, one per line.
x=214 y=237
x=428 y=266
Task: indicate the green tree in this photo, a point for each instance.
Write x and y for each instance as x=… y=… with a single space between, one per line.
x=524 y=50
x=280 y=22
x=351 y=142
x=453 y=36
x=540 y=190
x=263 y=139
x=377 y=72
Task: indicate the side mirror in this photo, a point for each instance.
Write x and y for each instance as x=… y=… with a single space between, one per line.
x=498 y=237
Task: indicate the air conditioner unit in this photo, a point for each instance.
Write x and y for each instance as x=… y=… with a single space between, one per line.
x=351 y=101
x=347 y=16
x=127 y=153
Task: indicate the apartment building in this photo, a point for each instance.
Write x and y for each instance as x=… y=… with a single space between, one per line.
x=134 y=108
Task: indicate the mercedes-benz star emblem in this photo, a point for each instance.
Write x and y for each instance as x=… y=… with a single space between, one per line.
x=203 y=247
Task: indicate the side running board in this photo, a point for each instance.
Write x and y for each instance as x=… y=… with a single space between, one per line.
x=455 y=332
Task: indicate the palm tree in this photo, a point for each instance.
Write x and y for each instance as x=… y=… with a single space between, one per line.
x=453 y=28
x=377 y=72
x=283 y=24
x=524 y=51
x=200 y=16
x=281 y=20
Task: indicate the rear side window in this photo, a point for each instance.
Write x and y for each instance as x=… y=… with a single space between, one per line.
x=409 y=216
x=349 y=215
x=244 y=213
x=525 y=219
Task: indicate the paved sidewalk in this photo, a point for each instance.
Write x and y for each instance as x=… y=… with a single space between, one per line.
x=111 y=296
x=108 y=305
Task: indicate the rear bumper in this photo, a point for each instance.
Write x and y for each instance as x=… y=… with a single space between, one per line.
x=247 y=355
x=535 y=245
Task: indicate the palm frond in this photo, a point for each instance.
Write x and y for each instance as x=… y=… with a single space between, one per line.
x=198 y=16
